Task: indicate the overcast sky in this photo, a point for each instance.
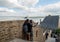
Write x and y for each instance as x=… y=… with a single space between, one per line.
x=29 y=7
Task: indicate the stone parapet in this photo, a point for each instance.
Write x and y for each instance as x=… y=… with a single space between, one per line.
x=13 y=29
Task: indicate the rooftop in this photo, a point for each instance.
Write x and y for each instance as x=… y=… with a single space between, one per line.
x=50 y=22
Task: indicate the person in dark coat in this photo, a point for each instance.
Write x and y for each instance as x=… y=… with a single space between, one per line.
x=46 y=35
x=25 y=29
x=30 y=31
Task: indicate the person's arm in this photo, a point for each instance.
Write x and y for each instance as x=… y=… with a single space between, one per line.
x=35 y=25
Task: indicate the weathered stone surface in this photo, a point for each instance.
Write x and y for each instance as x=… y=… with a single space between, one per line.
x=10 y=30
x=38 y=34
x=13 y=29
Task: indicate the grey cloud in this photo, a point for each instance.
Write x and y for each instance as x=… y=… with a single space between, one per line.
x=5 y=3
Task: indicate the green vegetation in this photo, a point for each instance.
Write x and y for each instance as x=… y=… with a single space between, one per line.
x=57 y=31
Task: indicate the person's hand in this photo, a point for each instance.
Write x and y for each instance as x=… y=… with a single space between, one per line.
x=37 y=23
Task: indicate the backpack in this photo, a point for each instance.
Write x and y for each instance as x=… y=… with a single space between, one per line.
x=25 y=28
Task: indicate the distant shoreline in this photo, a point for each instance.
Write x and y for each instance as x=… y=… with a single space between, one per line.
x=13 y=18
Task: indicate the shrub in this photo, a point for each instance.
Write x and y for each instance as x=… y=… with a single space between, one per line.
x=57 y=31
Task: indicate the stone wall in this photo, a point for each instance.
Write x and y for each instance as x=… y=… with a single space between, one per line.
x=13 y=29
x=38 y=34
x=10 y=30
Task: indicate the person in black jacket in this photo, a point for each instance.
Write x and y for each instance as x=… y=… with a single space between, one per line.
x=46 y=35
x=30 y=31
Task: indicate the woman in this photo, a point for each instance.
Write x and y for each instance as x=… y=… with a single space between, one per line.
x=25 y=29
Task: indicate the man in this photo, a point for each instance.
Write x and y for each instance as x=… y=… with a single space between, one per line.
x=30 y=31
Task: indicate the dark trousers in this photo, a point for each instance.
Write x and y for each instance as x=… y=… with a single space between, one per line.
x=30 y=36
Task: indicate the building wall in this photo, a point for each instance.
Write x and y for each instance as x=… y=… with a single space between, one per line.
x=59 y=23
x=13 y=29
x=38 y=34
